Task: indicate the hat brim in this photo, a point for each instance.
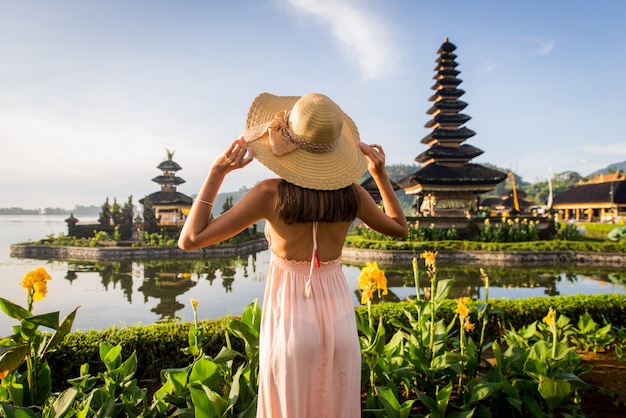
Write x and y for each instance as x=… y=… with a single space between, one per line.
x=333 y=170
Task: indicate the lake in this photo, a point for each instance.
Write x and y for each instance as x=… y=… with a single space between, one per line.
x=143 y=292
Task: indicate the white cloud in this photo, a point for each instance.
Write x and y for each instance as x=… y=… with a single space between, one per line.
x=488 y=67
x=543 y=47
x=361 y=35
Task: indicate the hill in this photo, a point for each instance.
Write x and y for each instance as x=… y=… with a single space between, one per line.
x=610 y=169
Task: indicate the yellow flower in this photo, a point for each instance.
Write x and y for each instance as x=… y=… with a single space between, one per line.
x=550 y=318
x=461 y=307
x=372 y=279
x=429 y=257
x=194 y=303
x=469 y=327
x=34 y=282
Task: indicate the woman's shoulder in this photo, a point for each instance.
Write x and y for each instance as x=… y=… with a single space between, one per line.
x=265 y=189
x=267 y=185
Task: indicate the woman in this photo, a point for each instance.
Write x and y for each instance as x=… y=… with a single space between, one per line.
x=310 y=359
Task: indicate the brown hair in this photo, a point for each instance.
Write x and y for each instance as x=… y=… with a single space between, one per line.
x=297 y=204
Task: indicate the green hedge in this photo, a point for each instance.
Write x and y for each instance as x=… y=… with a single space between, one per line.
x=159 y=346
x=357 y=241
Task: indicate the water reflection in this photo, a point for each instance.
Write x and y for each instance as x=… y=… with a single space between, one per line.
x=505 y=282
x=164 y=280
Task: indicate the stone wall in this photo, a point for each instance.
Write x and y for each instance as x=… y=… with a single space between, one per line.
x=360 y=256
x=50 y=252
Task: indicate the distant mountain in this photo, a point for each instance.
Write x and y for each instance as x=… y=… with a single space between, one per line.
x=609 y=169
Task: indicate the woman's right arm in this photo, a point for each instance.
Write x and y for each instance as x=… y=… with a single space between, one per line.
x=199 y=231
x=392 y=220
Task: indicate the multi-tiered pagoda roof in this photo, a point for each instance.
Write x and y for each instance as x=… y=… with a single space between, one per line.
x=448 y=183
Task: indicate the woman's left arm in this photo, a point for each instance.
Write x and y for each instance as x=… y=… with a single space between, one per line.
x=198 y=232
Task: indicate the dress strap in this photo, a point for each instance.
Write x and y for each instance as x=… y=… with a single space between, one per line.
x=315 y=262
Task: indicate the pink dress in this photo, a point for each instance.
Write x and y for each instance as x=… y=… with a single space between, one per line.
x=310 y=357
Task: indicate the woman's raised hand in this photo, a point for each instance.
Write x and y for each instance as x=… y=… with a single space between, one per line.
x=236 y=156
x=375 y=157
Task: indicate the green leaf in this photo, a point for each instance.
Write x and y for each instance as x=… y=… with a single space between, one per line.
x=575 y=381
x=443 y=398
x=205 y=371
x=11 y=411
x=63 y=402
x=554 y=391
x=50 y=320
x=479 y=389
x=464 y=414
x=206 y=404
x=225 y=355
x=64 y=328
x=13 y=310
x=389 y=401
x=12 y=356
x=111 y=355
x=429 y=403
x=247 y=333
x=178 y=378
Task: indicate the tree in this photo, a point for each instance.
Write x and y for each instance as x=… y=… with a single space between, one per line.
x=105 y=213
x=116 y=212
x=126 y=219
x=150 y=224
x=227 y=204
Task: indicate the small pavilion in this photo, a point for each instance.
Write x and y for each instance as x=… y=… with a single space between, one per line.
x=448 y=184
x=170 y=206
x=602 y=198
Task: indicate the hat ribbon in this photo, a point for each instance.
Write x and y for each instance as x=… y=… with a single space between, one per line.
x=282 y=140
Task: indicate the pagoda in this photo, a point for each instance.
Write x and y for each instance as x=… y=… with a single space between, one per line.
x=168 y=204
x=448 y=184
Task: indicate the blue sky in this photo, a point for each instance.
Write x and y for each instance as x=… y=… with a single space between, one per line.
x=92 y=93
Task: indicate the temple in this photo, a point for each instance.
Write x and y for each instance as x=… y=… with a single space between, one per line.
x=602 y=198
x=448 y=184
x=168 y=204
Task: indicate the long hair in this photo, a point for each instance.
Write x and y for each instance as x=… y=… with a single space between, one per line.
x=297 y=204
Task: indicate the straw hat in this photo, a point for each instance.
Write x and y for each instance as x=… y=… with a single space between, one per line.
x=308 y=140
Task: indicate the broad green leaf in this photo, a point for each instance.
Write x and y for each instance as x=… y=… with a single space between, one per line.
x=111 y=355
x=11 y=411
x=11 y=357
x=443 y=398
x=429 y=403
x=555 y=392
x=64 y=328
x=225 y=355
x=479 y=389
x=64 y=401
x=13 y=310
x=178 y=378
x=464 y=414
x=532 y=405
x=50 y=320
x=206 y=372
x=202 y=403
x=575 y=381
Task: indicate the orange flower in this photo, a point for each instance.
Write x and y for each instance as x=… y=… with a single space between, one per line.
x=34 y=282
x=469 y=327
x=372 y=279
x=461 y=307
x=429 y=258
x=194 y=303
x=3 y=373
x=550 y=318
